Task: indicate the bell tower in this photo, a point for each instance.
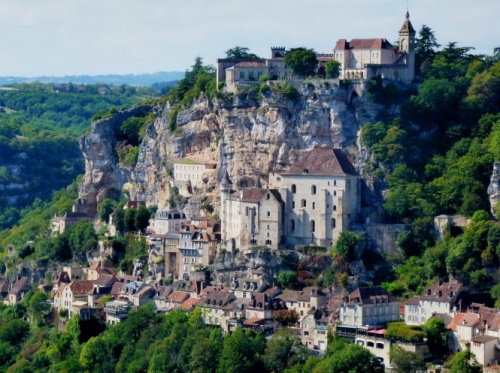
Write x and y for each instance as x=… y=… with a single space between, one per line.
x=407 y=45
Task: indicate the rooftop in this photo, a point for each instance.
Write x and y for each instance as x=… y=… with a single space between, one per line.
x=324 y=162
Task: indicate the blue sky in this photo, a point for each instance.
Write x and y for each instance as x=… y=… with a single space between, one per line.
x=73 y=37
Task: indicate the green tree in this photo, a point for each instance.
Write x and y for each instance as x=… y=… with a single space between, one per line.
x=141 y=218
x=465 y=362
x=283 y=350
x=353 y=359
x=302 y=61
x=332 y=69
x=288 y=279
x=106 y=208
x=436 y=333
x=345 y=245
x=239 y=353
x=38 y=306
x=425 y=47
x=405 y=361
x=240 y=52
x=82 y=238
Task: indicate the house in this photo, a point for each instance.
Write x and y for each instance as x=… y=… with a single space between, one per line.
x=369 y=306
x=303 y=301
x=59 y=224
x=168 y=221
x=101 y=287
x=314 y=328
x=116 y=311
x=441 y=297
x=175 y=299
x=160 y=297
x=195 y=169
x=321 y=198
x=61 y=278
x=100 y=267
x=138 y=293
x=217 y=306
x=75 y=291
x=245 y=287
x=18 y=290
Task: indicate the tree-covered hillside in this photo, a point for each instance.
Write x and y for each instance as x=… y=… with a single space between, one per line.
x=437 y=158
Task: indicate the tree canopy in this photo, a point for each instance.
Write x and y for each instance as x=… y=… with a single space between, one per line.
x=302 y=61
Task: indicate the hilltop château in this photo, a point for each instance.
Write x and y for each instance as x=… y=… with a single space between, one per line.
x=361 y=59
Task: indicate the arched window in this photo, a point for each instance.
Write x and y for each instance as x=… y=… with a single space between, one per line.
x=292 y=225
x=334 y=207
x=312 y=226
x=313 y=189
x=294 y=188
x=268 y=213
x=303 y=203
x=268 y=226
x=268 y=196
x=334 y=223
x=334 y=193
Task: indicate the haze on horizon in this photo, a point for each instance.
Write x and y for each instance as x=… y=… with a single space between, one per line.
x=54 y=37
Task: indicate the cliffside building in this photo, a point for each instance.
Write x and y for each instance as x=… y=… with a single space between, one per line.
x=315 y=200
x=194 y=169
x=321 y=198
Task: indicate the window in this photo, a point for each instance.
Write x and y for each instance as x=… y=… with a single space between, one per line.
x=294 y=188
x=303 y=203
x=292 y=225
x=334 y=207
x=268 y=242
x=268 y=226
x=314 y=205
x=293 y=204
x=268 y=196
x=242 y=75
x=313 y=189
x=312 y=225
x=268 y=213
x=334 y=223
x=334 y=182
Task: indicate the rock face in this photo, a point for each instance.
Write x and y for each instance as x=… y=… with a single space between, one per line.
x=494 y=188
x=104 y=177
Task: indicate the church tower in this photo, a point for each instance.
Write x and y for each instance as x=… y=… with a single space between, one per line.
x=407 y=45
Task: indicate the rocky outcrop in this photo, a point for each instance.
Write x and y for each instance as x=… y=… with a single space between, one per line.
x=494 y=188
x=104 y=177
x=246 y=136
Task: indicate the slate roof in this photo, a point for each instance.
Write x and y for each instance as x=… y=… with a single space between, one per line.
x=413 y=301
x=483 y=338
x=61 y=277
x=442 y=292
x=105 y=280
x=256 y=194
x=370 y=295
x=378 y=43
x=162 y=292
x=407 y=26
x=300 y=296
x=323 y=161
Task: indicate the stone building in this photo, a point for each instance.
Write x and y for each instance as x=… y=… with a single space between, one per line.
x=369 y=306
x=367 y=58
x=168 y=221
x=194 y=169
x=321 y=198
x=316 y=200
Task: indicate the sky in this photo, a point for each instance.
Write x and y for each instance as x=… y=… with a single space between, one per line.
x=94 y=37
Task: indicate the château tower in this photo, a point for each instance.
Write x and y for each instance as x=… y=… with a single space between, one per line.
x=225 y=191
x=407 y=45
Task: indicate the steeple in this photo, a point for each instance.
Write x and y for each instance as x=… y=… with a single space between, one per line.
x=407 y=27
x=225 y=183
x=407 y=46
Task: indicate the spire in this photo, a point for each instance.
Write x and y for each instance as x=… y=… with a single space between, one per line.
x=407 y=26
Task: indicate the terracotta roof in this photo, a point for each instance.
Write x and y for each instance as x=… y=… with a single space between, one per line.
x=251 y=64
x=253 y=321
x=21 y=286
x=256 y=194
x=379 y=43
x=81 y=286
x=178 y=297
x=323 y=161
x=189 y=304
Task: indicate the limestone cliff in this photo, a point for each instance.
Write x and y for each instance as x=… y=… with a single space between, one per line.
x=247 y=136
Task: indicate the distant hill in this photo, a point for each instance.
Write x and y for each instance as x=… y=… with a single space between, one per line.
x=128 y=79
